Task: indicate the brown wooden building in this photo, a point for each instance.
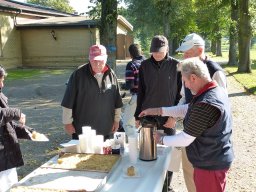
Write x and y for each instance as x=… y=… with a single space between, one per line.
x=35 y=36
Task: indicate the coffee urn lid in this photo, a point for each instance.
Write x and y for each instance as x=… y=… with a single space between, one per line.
x=148 y=121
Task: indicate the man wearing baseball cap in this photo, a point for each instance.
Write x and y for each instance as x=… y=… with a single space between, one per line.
x=159 y=84
x=92 y=97
x=193 y=45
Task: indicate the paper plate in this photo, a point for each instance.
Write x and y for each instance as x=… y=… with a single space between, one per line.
x=137 y=173
x=70 y=143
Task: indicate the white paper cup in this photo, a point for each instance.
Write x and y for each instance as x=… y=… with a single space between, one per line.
x=82 y=143
x=86 y=130
x=133 y=149
x=91 y=141
x=98 y=144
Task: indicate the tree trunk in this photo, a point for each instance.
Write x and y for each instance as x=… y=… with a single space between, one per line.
x=167 y=32
x=213 y=46
x=232 y=60
x=108 y=29
x=244 y=37
x=175 y=44
x=218 y=47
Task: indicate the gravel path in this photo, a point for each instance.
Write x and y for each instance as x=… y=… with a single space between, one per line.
x=40 y=101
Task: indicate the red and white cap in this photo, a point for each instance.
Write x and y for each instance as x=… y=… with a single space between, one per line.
x=98 y=52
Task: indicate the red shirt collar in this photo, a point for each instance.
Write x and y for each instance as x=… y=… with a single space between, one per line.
x=103 y=70
x=208 y=86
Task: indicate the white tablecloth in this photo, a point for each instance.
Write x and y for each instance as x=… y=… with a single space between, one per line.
x=151 y=174
x=150 y=178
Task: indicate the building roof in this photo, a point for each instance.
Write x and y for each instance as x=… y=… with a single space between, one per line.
x=30 y=9
x=71 y=21
x=126 y=23
x=75 y=21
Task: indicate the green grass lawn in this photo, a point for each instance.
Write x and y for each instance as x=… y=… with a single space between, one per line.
x=248 y=80
x=14 y=74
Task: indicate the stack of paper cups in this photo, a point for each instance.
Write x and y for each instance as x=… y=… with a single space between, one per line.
x=98 y=145
x=91 y=140
x=82 y=143
x=86 y=130
x=133 y=149
x=85 y=139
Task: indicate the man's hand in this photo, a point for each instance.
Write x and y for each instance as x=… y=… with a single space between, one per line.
x=170 y=123
x=137 y=123
x=69 y=128
x=115 y=126
x=158 y=136
x=22 y=119
x=151 y=111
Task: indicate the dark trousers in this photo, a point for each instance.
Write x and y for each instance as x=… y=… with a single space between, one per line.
x=167 y=181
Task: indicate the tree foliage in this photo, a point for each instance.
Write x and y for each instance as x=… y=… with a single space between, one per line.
x=108 y=27
x=252 y=10
x=106 y=12
x=95 y=11
x=175 y=19
x=171 y=18
x=213 y=19
x=60 y=5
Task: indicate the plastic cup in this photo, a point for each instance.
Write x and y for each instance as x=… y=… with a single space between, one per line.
x=98 y=144
x=133 y=149
x=82 y=143
x=86 y=130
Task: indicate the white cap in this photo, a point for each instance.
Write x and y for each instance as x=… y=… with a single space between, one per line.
x=189 y=42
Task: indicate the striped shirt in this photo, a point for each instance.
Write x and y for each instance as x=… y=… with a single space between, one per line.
x=132 y=74
x=203 y=116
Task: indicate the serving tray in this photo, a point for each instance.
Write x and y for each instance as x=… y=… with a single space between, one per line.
x=83 y=162
x=54 y=176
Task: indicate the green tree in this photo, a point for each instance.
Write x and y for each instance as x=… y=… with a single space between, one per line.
x=212 y=20
x=244 y=37
x=106 y=11
x=168 y=17
x=253 y=16
x=176 y=19
x=95 y=10
x=60 y=5
x=108 y=27
x=233 y=33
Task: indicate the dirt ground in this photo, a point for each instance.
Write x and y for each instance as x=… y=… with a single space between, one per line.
x=40 y=97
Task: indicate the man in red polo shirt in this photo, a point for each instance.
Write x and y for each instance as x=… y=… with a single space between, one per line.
x=207 y=128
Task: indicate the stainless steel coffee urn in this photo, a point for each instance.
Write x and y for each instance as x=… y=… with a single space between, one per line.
x=147 y=144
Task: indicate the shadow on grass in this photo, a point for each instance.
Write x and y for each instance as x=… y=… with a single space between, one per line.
x=252 y=90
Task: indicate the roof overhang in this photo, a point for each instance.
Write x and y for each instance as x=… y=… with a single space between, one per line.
x=60 y=22
x=124 y=22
